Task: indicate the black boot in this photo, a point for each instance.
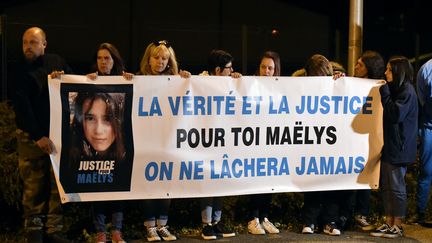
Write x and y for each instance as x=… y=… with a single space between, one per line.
x=34 y=236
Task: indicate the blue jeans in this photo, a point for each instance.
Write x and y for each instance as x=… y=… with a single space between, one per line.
x=156 y=212
x=101 y=209
x=393 y=189
x=211 y=209
x=425 y=176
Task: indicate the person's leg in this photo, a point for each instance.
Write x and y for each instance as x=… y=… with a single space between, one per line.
x=254 y=225
x=34 y=169
x=206 y=205
x=425 y=175
x=363 y=202
x=362 y=208
x=346 y=207
x=54 y=223
x=264 y=202
x=386 y=194
x=218 y=227
x=116 y=208
x=150 y=220
x=330 y=212
x=99 y=214
x=150 y=213
x=254 y=206
x=386 y=190
x=311 y=207
x=217 y=209
x=264 y=205
x=400 y=198
x=163 y=206
x=395 y=198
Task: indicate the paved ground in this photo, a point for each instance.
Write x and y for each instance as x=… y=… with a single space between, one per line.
x=413 y=233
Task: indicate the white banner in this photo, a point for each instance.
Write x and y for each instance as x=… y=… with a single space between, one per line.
x=168 y=137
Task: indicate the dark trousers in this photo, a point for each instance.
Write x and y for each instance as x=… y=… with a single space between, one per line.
x=259 y=205
x=41 y=201
x=320 y=205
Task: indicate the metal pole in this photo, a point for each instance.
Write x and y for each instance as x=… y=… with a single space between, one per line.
x=4 y=85
x=355 y=34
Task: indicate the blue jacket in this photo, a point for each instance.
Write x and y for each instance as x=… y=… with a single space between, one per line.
x=424 y=90
x=399 y=124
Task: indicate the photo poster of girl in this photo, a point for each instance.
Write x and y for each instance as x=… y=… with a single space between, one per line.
x=97 y=142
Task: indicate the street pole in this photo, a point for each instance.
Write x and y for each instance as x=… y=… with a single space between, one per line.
x=355 y=34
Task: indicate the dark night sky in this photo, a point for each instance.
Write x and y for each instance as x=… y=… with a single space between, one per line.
x=75 y=28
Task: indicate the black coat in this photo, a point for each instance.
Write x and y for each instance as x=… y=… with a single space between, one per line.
x=31 y=99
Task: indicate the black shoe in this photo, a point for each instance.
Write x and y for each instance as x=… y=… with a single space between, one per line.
x=35 y=236
x=208 y=232
x=418 y=219
x=58 y=237
x=220 y=229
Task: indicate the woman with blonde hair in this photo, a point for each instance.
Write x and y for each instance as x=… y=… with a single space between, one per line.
x=159 y=59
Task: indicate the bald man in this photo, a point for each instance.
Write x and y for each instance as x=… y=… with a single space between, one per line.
x=41 y=202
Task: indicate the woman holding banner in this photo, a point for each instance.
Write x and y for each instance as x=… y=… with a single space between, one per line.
x=370 y=65
x=219 y=64
x=98 y=135
x=159 y=59
x=320 y=204
x=260 y=203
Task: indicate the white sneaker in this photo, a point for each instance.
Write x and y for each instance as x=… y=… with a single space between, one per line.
x=331 y=229
x=363 y=223
x=255 y=228
x=269 y=227
x=308 y=229
x=165 y=234
x=152 y=234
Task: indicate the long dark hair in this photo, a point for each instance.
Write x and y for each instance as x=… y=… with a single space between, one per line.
x=119 y=66
x=402 y=71
x=114 y=111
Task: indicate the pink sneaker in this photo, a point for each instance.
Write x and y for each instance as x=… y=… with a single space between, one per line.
x=100 y=237
x=116 y=237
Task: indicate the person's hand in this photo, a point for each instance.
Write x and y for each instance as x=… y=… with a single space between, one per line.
x=46 y=145
x=384 y=90
x=127 y=76
x=382 y=81
x=92 y=76
x=184 y=74
x=236 y=75
x=56 y=74
x=337 y=75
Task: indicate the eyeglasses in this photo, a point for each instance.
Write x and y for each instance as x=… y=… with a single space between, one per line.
x=230 y=67
x=162 y=42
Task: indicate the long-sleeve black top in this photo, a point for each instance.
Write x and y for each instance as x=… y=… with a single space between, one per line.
x=31 y=99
